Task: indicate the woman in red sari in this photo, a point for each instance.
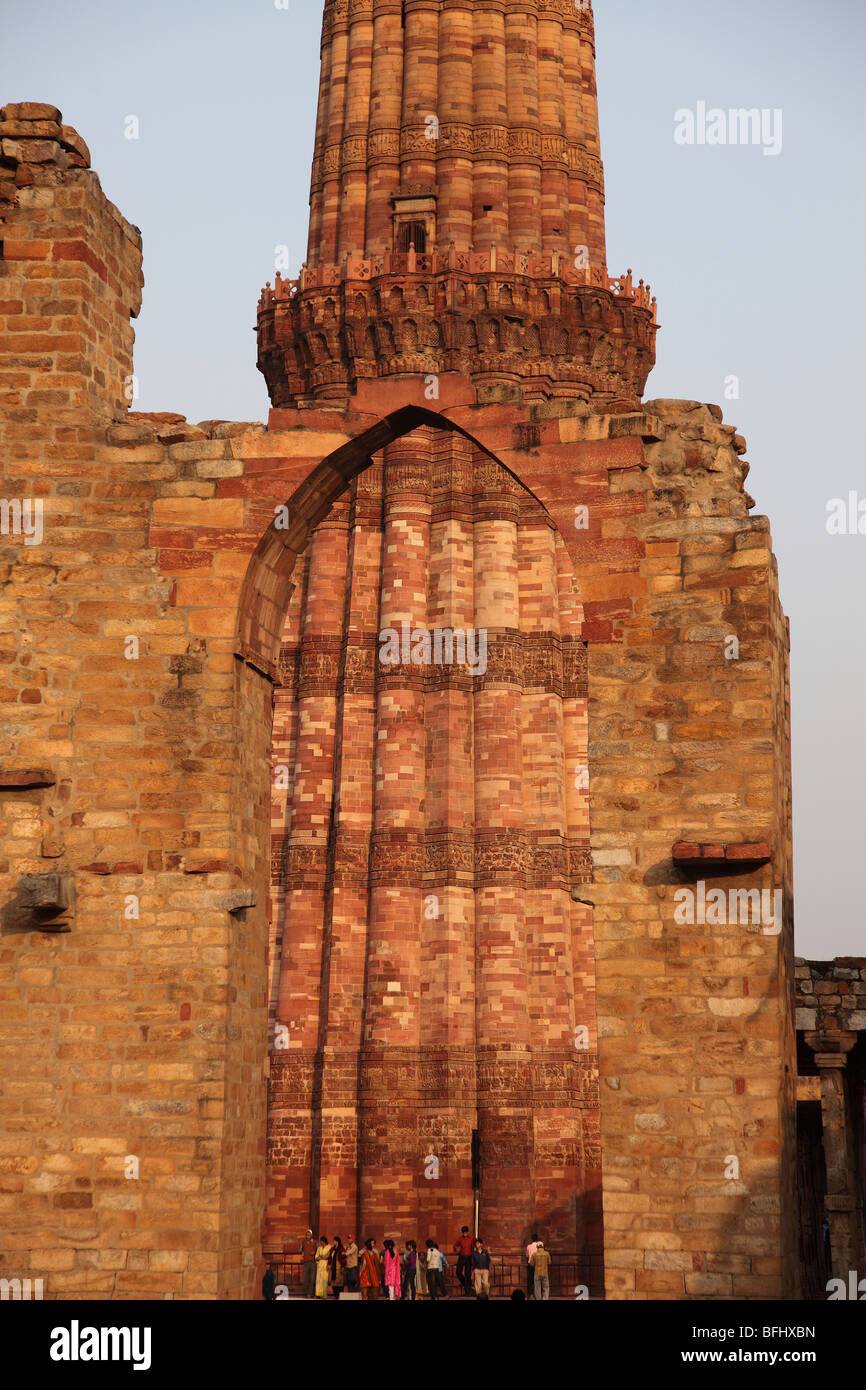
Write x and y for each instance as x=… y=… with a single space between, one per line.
x=371 y=1271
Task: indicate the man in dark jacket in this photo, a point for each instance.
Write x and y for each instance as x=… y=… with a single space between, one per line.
x=481 y=1270
x=307 y=1253
x=269 y=1283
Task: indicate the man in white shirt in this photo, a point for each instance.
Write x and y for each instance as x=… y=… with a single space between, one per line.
x=530 y=1276
x=435 y=1280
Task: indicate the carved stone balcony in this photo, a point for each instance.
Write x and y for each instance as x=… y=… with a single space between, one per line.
x=538 y=323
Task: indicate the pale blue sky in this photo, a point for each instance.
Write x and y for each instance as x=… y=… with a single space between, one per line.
x=756 y=263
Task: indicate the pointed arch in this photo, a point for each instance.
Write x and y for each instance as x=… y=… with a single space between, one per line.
x=268 y=582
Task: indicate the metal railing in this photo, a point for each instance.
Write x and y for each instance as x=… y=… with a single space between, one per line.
x=569 y=1273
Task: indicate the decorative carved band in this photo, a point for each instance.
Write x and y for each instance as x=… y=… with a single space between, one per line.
x=396 y=858
x=486 y=1079
x=514 y=145
x=544 y=662
x=400 y=858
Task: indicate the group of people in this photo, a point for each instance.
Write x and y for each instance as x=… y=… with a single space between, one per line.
x=329 y=1268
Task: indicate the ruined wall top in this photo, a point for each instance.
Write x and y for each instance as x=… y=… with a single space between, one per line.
x=831 y=996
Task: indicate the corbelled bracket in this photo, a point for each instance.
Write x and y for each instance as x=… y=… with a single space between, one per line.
x=46 y=897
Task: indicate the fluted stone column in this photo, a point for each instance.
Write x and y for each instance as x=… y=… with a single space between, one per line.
x=548 y=899
x=299 y=1005
x=317 y=181
x=502 y=987
x=488 y=108
x=454 y=170
x=524 y=173
x=383 y=145
x=391 y=1167
x=326 y=250
x=554 y=175
x=490 y=178
x=356 y=121
x=448 y=922
x=418 y=151
x=347 y=888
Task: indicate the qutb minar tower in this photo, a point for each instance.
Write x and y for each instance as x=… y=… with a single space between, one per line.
x=457 y=211
x=435 y=995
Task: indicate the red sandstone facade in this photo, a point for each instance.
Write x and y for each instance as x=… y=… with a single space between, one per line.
x=382 y=907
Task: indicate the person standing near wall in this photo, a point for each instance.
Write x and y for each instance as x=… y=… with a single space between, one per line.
x=463 y=1248
x=307 y=1251
x=530 y=1275
x=323 y=1259
x=393 y=1281
x=435 y=1278
x=481 y=1270
x=371 y=1272
x=352 y=1265
x=410 y=1270
x=337 y=1267
x=541 y=1270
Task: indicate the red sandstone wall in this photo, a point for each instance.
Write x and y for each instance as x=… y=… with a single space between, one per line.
x=433 y=840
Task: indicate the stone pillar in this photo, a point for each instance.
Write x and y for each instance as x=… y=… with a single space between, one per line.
x=356 y=120
x=391 y=1170
x=502 y=1003
x=295 y=1079
x=420 y=93
x=326 y=252
x=352 y=674
x=594 y=208
x=547 y=899
x=842 y=1204
x=554 y=166
x=490 y=176
x=577 y=155
x=575 y=713
x=455 y=166
x=383 y=144
x=524 y=174
x=448 y=923
x=317 y=181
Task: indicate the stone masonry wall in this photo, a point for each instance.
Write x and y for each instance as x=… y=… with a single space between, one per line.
x=135 y=768
x=687 y=745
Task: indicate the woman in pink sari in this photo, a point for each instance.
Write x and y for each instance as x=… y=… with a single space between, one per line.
x=392 y=1270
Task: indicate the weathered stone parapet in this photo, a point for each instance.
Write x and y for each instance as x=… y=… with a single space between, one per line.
x=70 y=270
x=831 y=996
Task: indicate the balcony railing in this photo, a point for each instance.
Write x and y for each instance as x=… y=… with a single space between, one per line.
x=569 y=1274
x=357 y=270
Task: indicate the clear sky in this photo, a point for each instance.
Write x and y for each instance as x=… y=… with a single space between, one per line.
x=755 y=260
